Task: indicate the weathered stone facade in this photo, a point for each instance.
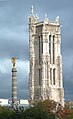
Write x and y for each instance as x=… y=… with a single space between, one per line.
x=45 y=77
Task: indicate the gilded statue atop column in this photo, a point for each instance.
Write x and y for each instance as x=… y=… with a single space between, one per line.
x=13 y=61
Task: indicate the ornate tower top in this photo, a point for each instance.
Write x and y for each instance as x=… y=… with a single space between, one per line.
x=32 y=10
x=57 y=19
x=46 y=19
x=33 y=18
x=13 y=61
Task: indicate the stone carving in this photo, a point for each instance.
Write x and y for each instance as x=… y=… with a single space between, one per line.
x=57 y=19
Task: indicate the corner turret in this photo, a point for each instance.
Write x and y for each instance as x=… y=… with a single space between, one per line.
x=33 y=18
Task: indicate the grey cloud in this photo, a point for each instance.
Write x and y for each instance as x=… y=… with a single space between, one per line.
x=56 y=5
x=13 y=44
x=23 y=94
x=5 y=86
x=68 y=77
x=13 y=32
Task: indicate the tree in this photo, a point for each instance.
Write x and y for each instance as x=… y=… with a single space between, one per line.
x=6 y=113
x=37 y=112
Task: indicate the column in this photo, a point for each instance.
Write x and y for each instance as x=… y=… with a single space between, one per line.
x=14 y=83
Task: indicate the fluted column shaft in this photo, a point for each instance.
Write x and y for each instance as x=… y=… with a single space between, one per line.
x=14 y=86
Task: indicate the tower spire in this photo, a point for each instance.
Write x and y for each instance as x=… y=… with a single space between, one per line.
x=32 y=10
x=46 y=18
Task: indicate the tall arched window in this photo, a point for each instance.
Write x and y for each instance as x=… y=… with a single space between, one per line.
x=42 y=43
x=53 y=49
x=39 y=48
x=53 y=76
x=50 y=46
x=39 y=76
x=47 y=70
x=50 y=76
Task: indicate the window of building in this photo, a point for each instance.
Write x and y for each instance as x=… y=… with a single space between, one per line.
x=39 y=77
x=50 y=76
x=54 y=76
x=42 y=43
x=50 y=46
x=39 y=48
x=53 y=49
x=47 y=70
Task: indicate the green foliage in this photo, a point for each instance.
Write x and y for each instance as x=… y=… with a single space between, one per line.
x=41 y=110
x=6 y=113
x=70 y=116
x=36 y=113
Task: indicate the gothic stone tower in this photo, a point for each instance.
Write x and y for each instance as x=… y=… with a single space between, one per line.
x=45 y=77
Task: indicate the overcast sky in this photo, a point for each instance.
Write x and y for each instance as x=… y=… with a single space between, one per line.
x=14 y=41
